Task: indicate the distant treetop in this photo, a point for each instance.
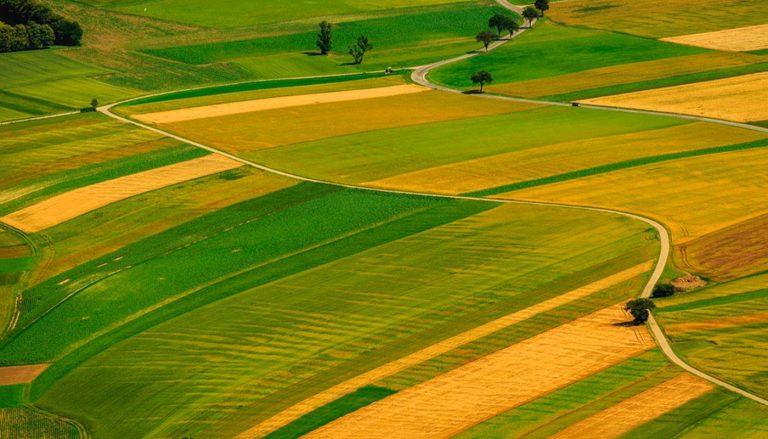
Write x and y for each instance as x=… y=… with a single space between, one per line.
x=29 y=24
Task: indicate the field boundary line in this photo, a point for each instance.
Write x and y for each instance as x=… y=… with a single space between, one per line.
x=31 y=119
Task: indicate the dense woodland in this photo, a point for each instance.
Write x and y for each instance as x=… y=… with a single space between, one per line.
x=28 y=24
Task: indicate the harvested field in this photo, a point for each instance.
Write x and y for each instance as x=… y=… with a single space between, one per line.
x=20 y=374
x=625 y=74
x=735 y=251
x=463 y=397
x=632 y=413
x=740 y=99
x=64 y=207
x=229 y=109
x=679 y=193
x=742 y=39
x=435 y=350
x=559 y=158
x=718 y=323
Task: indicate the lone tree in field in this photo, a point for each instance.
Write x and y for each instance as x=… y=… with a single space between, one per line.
x=485 y=37
x=530 y=13
x=640 y=309
x=663 y=290
x=325 y=38
x=358 y=50
x=541 y=5
x=94 y=103
x=482 y=77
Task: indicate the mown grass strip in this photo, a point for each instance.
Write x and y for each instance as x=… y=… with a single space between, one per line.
x=716 y=301
x=346 y=404
x=657 y=83
x=11 y=396
x=254 y=85
x=581 y=173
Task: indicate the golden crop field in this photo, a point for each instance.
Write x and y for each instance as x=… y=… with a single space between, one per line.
x=497 y=382
x=693 y=197
x=740 y=99
x=740 y=39
x=626 y=74
x=256 y=105
x=643 y=17
x=533 y=163
x=72 y=204
x=267 y=129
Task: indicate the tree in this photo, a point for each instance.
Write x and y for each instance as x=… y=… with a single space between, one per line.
x=485 y=37
x=511 y=26
x=325 y=38
x=94 y=103
x=663 y=290
x=40 y=36
x=68 y=33
x=358 y=50
x=640 y=309
x=530 y=13
x=482 y=77
x=498 y=22
x=541 y=5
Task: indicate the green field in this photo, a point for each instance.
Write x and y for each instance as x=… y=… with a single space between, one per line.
x=248 y=300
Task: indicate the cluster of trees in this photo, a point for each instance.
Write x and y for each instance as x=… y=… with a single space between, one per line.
x=28 y=24
x=357 y=50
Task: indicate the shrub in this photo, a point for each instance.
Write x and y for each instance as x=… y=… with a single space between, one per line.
x=640 y=309
x=663 y=290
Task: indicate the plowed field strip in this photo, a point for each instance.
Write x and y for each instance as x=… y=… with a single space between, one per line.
x=20 y=374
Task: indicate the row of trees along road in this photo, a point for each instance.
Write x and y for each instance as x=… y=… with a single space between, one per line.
x=504 y=23
x=357 y=50
x=29 y=24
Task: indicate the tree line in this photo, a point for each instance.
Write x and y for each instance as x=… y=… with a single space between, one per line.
x=29 y=24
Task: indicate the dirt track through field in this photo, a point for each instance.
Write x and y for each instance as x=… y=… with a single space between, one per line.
x=742 y=39
x=482 y=389
x=639 y=409
x=20 y=374
x=228 y=109
x=64 y=207
x=739 y=99
x=437 y=349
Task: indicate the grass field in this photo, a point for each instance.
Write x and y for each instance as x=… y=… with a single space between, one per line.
x=321 y=357
x=721 y=329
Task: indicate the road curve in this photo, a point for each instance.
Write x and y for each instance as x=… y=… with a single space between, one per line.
x=420 y=75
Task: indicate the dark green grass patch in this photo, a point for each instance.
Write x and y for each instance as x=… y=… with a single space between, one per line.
x=11 y=396
x=581 y=173
x=330 y=412
x=552 y=50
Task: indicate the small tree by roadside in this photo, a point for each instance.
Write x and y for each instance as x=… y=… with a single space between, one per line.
x=94 y=103
x=541 y=5
x=359 y=49
x=325 y=38
x=482 y=77
x=511 y=26
x=663 y=290
x=485 y=37
x=530 y=13
x=497 y=21
x=640 y=309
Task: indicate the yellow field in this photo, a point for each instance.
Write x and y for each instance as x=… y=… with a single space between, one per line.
x=715 y=323
x=533 y=163
x=636 y=411
x=642 y=17
x=225 y=98
x=232 y=108
x=740 y=99
x=437 y=349
x=742 y=39
x=20 y=374
x=463 y=397
x=693 y=196
x=72 y=204
x=267 y=129
x=626 y=74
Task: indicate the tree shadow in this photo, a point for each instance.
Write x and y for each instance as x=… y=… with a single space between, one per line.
x=473 y=92
x=312 y=53
x=629 y=324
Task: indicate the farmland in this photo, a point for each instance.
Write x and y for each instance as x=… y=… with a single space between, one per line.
x=246 y=238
